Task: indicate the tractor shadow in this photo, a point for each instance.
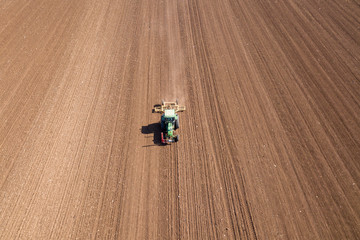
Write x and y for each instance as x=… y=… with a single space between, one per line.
x=155 y=129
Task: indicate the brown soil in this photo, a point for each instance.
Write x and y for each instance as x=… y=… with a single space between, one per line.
x=270 y=140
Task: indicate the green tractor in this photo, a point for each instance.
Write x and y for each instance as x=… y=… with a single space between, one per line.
x=169 y=120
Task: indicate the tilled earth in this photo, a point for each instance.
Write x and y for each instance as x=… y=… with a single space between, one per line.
x=270 y=140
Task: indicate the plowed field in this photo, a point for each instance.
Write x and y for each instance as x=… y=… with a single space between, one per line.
x=269 y=144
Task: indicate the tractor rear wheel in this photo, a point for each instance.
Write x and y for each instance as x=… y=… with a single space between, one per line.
x=177 y=124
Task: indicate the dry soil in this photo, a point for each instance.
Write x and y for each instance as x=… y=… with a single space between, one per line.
x=270 y=140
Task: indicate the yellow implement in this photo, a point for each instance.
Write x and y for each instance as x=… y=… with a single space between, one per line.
x=167 y=106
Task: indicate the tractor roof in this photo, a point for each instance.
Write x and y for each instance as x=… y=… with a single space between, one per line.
x=169 y=113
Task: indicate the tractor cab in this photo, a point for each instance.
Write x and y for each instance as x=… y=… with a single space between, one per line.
x=168 y=116
x=169 y=120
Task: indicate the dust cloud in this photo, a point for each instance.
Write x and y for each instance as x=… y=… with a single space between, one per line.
x=176 y=66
